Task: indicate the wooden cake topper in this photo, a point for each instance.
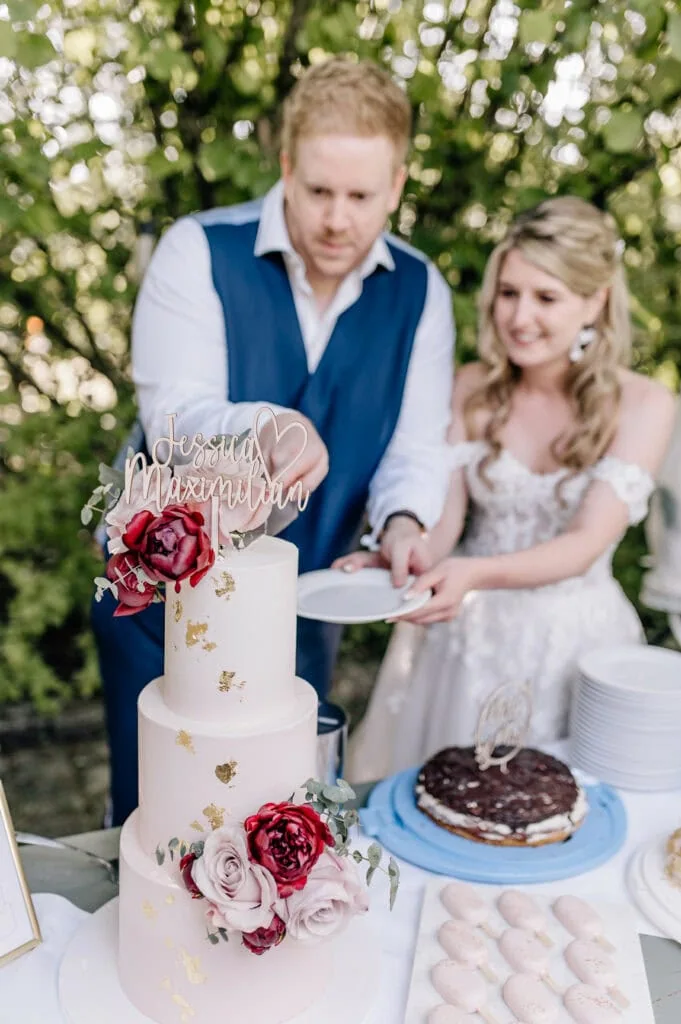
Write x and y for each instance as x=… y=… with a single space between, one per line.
x=504 y=721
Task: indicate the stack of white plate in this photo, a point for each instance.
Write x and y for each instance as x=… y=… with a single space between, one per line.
x=625 y=723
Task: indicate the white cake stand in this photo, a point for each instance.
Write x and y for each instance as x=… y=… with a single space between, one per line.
x=651 y=890
x=89 y=989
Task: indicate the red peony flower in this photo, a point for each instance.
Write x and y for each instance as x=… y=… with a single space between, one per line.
x=186 y=865
x=287 y=839
x=120 y=570
x=172 y=546
x=262 y=939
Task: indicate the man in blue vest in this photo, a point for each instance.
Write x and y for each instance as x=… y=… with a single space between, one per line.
x=300 y=302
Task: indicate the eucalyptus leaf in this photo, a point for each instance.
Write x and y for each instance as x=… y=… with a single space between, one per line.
x=374 y=854
x=334 y=794
x=314 y=786
x=371 y=871
x=109 y=475
x=212 y=938
x=86 y=515
x=160 y=855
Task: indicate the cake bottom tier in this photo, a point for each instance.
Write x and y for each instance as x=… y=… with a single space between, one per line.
x=172 y=973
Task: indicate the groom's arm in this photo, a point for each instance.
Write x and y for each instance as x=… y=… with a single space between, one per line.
x=179 y=348
x=413 y=474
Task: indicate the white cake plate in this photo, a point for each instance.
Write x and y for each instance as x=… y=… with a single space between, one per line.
x=89 y=989
x=652 y=892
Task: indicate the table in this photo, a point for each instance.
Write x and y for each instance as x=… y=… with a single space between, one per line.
x=86 y=885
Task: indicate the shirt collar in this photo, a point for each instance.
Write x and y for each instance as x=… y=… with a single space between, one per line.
x=273 y=235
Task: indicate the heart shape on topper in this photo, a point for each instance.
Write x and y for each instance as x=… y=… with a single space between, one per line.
x=278 y=436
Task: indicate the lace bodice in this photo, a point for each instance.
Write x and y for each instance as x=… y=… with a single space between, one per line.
x=524 y=508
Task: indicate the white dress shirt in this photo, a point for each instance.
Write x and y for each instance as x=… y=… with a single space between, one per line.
x=179 y=357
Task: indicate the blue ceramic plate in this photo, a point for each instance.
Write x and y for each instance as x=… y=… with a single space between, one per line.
x=393 y=818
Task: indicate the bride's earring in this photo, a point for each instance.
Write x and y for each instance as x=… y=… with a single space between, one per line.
x=582 y=342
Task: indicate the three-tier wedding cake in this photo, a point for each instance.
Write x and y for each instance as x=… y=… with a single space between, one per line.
x=227 y=729
x=236 y=871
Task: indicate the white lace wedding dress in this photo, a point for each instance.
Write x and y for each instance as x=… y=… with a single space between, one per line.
x=434 y=680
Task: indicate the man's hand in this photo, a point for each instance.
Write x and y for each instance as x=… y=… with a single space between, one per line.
x=281 y=440
x=404 y=549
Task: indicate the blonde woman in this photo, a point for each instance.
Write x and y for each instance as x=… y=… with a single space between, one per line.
x=554 y=447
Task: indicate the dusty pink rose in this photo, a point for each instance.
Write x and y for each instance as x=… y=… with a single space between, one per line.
x=242 y=894
x=260 y=941
x=287 y=839
x=333 y=895
x=247 y=511
x=186 y=865
x=120 y=570
x=172 y=546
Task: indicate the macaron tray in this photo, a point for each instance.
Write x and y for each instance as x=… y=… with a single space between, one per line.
x=512 y=956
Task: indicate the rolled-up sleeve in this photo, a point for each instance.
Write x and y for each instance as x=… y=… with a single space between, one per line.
x=414 y=471
x=179 y=348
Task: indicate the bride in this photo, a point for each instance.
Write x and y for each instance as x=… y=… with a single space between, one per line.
x=554 y=446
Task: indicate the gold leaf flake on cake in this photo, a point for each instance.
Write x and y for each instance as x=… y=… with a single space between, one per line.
x=183 y=739
x=169 y=944
x=215 y=815
x=226 y=772
x=226 y=681
x=197 y=826
x=192 y=967
x=187 y=1010
x=148 y=911
x=170 y=900
x=209 y=645
x=195 y=630
x=178 y=610
x=166 y=984
x=225 y=586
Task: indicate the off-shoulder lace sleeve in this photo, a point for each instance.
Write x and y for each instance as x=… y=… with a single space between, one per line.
x=463 y=453
x=632 y=484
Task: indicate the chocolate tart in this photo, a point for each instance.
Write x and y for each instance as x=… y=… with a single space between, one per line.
x=534 y=802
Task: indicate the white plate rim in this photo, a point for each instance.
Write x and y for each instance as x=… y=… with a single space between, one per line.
x=308 y=582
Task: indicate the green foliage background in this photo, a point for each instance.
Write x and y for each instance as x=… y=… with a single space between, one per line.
x=117 y=114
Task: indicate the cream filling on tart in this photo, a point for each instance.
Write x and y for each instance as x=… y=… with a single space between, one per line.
x=496 y=831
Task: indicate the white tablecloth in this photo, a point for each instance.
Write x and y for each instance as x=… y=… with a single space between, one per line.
x=28 y=986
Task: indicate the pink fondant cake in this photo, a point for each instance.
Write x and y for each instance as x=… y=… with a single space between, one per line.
x=227 y=729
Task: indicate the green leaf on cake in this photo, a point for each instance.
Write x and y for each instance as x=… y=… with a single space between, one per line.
x=183 y=849
x=357 y=857
x=212 y=938
x=223 y=934
x=160 y=855
x=394 y=876
x=172 y=846
x=197 y=848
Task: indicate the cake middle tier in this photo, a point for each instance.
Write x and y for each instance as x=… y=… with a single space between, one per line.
x=195 y=775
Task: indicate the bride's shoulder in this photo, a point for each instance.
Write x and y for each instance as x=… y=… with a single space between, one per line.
x=467 y=379
x=646 y=419
x=643 y=396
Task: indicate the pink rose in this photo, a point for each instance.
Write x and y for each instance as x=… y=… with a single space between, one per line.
x=186 y=865
x=241 y=508
x=333 y=895
x=172 y=546
x=121 y=570
x=260 y=941
x=242 y=894
x=287 y=839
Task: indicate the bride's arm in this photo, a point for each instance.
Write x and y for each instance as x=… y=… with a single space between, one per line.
x=646 y=421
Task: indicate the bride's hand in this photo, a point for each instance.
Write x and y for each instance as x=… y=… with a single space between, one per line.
x=359 y=560
x=450 y=581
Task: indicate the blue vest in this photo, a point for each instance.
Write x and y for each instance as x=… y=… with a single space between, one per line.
x=353 y=397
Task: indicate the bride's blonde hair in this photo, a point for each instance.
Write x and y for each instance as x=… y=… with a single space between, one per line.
x=578 y=244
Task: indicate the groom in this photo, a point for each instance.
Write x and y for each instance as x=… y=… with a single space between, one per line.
x=299 y=301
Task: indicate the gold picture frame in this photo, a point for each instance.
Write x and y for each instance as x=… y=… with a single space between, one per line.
x=18 y=921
